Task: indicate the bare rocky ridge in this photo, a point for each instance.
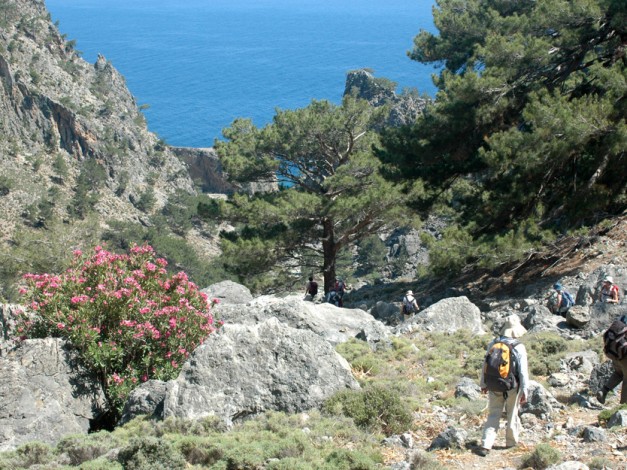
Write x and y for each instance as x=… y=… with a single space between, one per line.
x=55 y=107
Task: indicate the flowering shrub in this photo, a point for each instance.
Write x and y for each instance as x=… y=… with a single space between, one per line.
x=128 y=317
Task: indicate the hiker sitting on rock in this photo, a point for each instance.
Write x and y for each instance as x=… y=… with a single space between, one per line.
x=560 y=300
x=609 y=291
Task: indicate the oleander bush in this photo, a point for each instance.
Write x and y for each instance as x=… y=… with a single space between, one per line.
x=129 y=319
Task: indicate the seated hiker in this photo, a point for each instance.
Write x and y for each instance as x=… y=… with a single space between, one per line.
x=333 y=298
x=609 y=291
x=340 y=289
x=560 y=300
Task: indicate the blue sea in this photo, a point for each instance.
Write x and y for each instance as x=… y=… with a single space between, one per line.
x=199 y=64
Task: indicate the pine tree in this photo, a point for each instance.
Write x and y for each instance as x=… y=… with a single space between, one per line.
x=527 y=131
x=330 y=195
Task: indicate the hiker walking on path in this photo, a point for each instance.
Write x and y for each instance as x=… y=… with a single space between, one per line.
x=615 y=348
x=609 y=291
x=409 y=305
x=560 y=300
x=311 y=289
x=504 y=378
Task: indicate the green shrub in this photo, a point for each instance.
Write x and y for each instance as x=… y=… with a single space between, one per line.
x=545 y=352
x=342 y=459
x=605 y=415
x=6 y=185
x=146 y=200
x=60 y=166
x=600 y=463
x=35 y=453
x=101 y=464
x=81 y=448
x=197 y=451
x=424 y=461
x=542 y=457
x=149 y=453
x=375 y=408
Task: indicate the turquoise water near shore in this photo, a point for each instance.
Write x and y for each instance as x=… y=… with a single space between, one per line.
x=199 y=64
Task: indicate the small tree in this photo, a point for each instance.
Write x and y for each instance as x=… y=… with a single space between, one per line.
x=129 y=319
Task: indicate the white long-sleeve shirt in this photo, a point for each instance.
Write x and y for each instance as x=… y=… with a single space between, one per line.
x=521 y=355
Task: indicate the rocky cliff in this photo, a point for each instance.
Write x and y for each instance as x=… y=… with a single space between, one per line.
x=65 y=122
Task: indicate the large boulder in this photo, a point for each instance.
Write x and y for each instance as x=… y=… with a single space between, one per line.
x=45 y=394
x=387 y=312
x=539 y=318
x=243 y=370
x=229 y=292
x=447 y=316
x=334 y=324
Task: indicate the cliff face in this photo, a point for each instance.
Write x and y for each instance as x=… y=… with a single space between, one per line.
x=64 y=122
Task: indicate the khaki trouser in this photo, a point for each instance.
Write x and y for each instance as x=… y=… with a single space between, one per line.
x=495 y=408
x=620 y=369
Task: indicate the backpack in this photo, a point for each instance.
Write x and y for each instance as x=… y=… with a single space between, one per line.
x=500 y=368
x=615 y=340
x=313 y=288
x=408 y=307
x=567 y=300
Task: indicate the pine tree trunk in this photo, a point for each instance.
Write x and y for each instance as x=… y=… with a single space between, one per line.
x=329 y=253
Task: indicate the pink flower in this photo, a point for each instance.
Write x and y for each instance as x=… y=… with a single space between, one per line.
x=77 y=253
x=61 y=325
x=174 y=364
x=144 y=378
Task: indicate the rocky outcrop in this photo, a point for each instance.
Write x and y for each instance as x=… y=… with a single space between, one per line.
x=447 y=315
x=205 y=168
x=247 y=369
x=229 y=292
x=45 y=394
x=405 y=108
x=334 y=324
x=54 y=105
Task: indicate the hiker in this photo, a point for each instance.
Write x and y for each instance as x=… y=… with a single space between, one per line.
x=311 y=289
x=609 y=291
x=510 y=399
x=560 y=300
x=615 y=348
x=333 y=298
x=409 y=306
x=340 y=289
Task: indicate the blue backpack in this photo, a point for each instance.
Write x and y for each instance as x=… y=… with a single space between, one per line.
x=567 y=300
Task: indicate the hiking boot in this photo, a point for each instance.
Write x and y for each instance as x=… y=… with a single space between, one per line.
x=601 y=394
x=482 y=451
